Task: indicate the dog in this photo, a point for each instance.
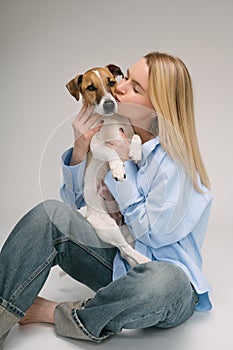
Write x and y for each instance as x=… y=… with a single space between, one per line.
x=97 y=87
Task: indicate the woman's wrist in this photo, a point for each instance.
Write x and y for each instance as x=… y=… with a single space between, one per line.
x=78 y=156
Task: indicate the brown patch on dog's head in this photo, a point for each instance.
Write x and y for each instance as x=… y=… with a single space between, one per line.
x=94 y=84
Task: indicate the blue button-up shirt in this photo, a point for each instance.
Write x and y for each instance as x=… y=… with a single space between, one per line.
x=166 y=216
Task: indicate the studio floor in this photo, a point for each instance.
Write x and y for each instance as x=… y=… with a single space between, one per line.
x=46 y=43
x=211 y=330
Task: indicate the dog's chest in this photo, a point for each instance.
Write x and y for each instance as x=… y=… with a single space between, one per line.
x=100 y=154
x=110 y=129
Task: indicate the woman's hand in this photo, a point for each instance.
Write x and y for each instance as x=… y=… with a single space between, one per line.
x=83 y=132
x=109 y=203
x=121 y=146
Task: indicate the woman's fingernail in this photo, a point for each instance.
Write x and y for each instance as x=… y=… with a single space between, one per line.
x=121 y=130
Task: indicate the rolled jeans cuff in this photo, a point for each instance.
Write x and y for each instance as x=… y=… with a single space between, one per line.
x=7 y=321
x=68 y=324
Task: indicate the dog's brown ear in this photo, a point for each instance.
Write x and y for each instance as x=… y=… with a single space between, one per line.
x=115 y=70
x=74 y=86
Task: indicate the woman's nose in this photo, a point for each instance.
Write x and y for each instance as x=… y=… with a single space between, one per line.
x=121 y=87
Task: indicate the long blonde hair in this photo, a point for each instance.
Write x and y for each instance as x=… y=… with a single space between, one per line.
x=171 y=93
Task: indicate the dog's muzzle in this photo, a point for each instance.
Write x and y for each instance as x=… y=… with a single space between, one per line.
x=109 y=107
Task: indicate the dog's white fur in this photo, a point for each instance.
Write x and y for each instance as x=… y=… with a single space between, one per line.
x=99 y=160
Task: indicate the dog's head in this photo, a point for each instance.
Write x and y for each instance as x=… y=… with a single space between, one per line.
x=97 y=87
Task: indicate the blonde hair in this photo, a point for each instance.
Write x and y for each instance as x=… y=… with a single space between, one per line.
x=171 y=93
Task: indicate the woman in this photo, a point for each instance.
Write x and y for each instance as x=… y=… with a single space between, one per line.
x=165 y=201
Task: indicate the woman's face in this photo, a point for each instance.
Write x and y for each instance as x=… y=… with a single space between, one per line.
x=134 y=87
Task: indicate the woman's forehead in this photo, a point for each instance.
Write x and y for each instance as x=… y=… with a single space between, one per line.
x=139 y=71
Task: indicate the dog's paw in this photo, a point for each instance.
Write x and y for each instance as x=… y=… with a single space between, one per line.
x=117 y=169
x=132 y=256
x=83 y=211
x=135 y=152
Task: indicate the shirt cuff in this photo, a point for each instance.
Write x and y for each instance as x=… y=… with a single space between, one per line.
x=125 y=192
x=73 y=175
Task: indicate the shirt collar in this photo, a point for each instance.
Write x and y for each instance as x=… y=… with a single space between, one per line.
x=147 y=148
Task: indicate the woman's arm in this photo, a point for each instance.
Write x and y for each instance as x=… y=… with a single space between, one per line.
x=71 y=190
x=157 y=199
x=74 y=160
x=83 y=130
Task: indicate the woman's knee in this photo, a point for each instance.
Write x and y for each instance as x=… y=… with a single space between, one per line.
x=45 y=208
x=51 y=206
x=55 y=211
x=43 y=219
x=70 y=223
x=161 y=280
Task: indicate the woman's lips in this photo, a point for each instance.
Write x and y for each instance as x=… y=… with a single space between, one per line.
x=117 y=99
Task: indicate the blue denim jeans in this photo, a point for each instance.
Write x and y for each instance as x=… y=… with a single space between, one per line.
x=152 y=294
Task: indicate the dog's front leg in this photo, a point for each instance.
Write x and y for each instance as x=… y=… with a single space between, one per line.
x=106 y=154
x=135 y=149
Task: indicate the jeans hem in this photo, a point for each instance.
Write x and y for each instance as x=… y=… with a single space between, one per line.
x=6 y=305
x=85 y=331
x=7 y=319
x=68 y=324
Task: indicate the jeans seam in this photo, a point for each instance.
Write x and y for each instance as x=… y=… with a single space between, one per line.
x=60 y=240
x=149 y=315
x=180 y=304
x=98 y=257
x=158 y=312
x=172 y=306
x=32 y=277
x=87 y=249
x=85 y=331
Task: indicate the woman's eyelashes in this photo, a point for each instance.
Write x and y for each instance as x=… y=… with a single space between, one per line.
x=135 y=87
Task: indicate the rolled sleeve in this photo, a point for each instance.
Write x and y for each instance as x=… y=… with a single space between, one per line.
x=73 y=180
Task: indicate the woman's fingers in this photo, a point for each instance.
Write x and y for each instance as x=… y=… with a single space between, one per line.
x=85 y=113
x=87 y=118
x=92 y=120
x=95 y=129
x=125 y=138
x=84 y=121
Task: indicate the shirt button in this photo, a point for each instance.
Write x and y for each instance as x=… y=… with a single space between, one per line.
x=69 y=185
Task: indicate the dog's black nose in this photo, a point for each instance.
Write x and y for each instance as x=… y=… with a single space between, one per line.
x=108 y=106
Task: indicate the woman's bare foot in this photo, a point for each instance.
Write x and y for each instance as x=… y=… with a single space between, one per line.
x=41 y=311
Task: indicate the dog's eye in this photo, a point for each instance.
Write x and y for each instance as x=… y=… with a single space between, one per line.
x=111 y=83
x=91 y=87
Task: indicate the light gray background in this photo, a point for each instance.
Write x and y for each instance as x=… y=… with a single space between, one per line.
x=43 y=45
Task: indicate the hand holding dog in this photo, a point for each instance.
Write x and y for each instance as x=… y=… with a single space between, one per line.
x=121 y=146
x=83 y=132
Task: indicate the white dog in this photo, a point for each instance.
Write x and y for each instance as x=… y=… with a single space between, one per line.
x=97 y=87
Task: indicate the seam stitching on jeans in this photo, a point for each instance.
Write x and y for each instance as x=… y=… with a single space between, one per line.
x=6 y=305
x=84 y=330
x=98 y=257
x=93 y=253
x=31 y=278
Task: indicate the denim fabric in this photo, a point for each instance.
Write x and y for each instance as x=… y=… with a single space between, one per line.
x=166 y=217
x=156 y=293
x=152 y=294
